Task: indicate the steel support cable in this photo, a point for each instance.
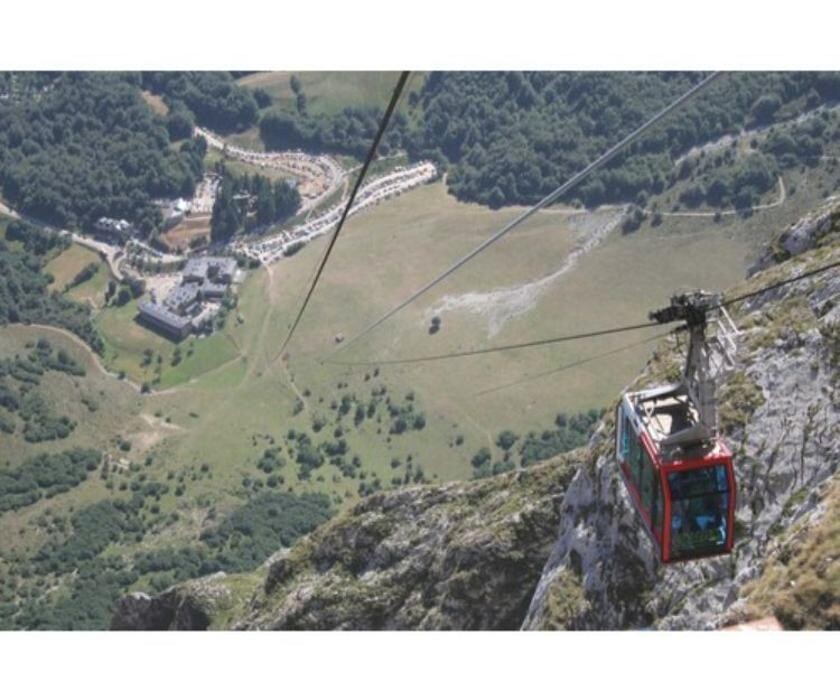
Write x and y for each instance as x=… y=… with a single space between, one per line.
x=545 y=201
x=776 y=285
x=495 y=348
x=572 y=365
x=578 y=336
x=368 y=160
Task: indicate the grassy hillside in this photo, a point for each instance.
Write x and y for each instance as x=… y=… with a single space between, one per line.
x=112 y=403
x=238 y=387
x=68 y=264
x=327 y=92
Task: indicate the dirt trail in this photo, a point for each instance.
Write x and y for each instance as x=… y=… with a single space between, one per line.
x=260 y=345
x=8 y=211
x=728 y=212
x=158 y=429
x=295 y=388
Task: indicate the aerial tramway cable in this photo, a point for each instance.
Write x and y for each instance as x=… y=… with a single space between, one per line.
x=545 y=201
x=572 y=365
x=368 y=160
x=497 y=348
x=776 y=285
x=577 y=336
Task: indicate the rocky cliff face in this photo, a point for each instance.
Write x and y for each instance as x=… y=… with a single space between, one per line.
x=779 y=414
x=559 y=546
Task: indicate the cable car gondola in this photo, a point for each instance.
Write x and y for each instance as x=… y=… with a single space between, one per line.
x=674 y=463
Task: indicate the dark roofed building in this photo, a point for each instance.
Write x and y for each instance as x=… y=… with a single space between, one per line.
x=211 y=290
x=182 y=297
x=195 y=270
x=209 y=268
x=221 y=269
x=161 y=318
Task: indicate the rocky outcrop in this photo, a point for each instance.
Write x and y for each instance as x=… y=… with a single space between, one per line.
x=194 y=605
x=819 y=228
x=170 y=610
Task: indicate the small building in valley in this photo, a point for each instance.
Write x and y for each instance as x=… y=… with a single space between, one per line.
x=118 y=229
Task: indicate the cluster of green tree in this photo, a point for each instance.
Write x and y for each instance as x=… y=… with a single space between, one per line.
x=34 y=239
x=82 y=276
x=250 y=201
x=129 y=288
x=78 y=544
x=729 y=182
x=246 y=538
x=40 y=423
x=98 y=580
x=271 y=460
x=24 y=297
x=351 y=131
x=300 y=95
x=292 y=248
x=94 y=527
x=45 y=476
x=87 y=147
x=569 y=433
x=243 y=541
x=404 y=417
x=89 y=603
x=43 y=357
x=307 y=455
x=387 y=415
x=211 y=98
x=802 y=143
x=18 y=378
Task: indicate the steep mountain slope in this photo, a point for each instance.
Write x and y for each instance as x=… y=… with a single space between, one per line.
x=469 y=555
x=779 y=413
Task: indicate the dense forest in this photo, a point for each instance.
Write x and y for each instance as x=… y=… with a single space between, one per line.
x=210 y=98
x=512 y=137
x=349 y=132
x=78 y=146
x=24 y=297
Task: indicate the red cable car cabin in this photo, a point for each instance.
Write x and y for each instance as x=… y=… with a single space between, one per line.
x=685 y=493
